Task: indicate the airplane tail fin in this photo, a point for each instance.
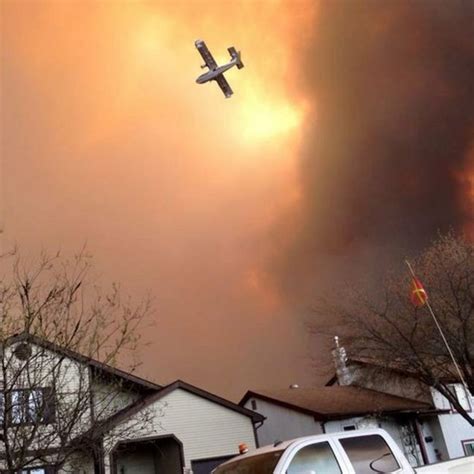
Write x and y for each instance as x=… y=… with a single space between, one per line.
x=236 y=55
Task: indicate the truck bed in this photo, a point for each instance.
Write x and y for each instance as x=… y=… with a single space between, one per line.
x=463 y=465
x=352 y=452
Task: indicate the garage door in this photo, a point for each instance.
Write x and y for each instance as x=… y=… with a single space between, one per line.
x=205 y=466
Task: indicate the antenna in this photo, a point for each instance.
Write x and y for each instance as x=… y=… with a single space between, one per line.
x=343 y=372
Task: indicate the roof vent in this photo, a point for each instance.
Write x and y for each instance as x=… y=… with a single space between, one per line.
x=22 y=351
x=294 y=385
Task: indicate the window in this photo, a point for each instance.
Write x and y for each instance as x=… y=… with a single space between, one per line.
x=369 y=454
x=349 y=428
x=34 y=470
x=317 y=458
x=35 y=405
x=17 y=408
x=32 y=406
x=468 y=447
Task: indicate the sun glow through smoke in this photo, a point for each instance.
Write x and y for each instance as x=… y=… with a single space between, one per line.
x=140 y=83
x=265 y=119
x=263 y=107
x=174 y=187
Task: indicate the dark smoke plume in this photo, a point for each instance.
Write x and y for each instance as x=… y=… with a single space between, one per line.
x=393 y=86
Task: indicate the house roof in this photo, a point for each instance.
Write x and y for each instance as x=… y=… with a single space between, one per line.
x=144 y=402
x=338 y=401
x=95 y=364
x=257 y=417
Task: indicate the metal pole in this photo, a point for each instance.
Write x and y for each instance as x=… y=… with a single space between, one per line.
x=435 y=319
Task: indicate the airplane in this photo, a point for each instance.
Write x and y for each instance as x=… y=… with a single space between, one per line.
x=216 y=73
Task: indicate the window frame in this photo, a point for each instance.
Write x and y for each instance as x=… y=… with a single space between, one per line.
x=351 y=427
x=464 y=442
x=28 y=470
x=391 y=445
x=336 y=450
x=48 y=413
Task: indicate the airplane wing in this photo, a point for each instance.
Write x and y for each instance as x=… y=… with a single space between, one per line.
x=224 y=85
x=206 y=54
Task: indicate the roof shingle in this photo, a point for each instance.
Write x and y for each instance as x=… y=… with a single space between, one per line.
x=330 y=402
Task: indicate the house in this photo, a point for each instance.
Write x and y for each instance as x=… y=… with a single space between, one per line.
x=63 y=412
x=445 y=434
x=364 y=395
x=196 y=429
x=297 y=411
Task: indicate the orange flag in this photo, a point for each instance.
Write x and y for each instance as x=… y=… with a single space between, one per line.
x=418 y=294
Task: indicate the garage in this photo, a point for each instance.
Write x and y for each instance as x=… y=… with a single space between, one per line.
x=163 y=454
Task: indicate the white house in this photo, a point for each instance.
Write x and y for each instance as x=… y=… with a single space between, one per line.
x=362 y=395
x=444 y=434
x=458 y=435
x=192 y=428
x=62 y=412
x=297 y=411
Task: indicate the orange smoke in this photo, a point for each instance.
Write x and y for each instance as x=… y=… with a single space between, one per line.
x=465 y=179
x=174 y=188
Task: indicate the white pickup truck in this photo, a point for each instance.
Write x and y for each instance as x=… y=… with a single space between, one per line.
x=355 y=452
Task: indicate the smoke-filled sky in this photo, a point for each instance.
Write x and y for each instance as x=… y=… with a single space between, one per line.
x=350 y=137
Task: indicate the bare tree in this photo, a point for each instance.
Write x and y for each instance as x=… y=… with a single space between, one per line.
x=381 y=326
x=60 y=338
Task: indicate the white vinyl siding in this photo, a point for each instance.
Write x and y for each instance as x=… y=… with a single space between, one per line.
x=453 y=426
x=79 y=463
x=110 y=398
x=461 y=396
x=205 y=428
x=455 y=429
x=282 y=423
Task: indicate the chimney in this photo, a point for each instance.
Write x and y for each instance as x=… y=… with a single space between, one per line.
x=344 y=376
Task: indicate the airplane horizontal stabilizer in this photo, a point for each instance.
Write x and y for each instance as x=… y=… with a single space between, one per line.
x=236 y=55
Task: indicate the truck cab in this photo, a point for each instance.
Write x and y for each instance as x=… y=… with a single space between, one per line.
x=355 y=452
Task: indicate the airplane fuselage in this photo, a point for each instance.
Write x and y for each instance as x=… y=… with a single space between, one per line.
x=213 y=73
x=216 y=72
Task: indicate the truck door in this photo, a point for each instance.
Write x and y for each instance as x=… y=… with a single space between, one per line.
x=370 y=454
x=316 y=458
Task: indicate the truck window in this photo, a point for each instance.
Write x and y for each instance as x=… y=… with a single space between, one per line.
x=314 y=459
x=369 y=454
x=260 y=464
